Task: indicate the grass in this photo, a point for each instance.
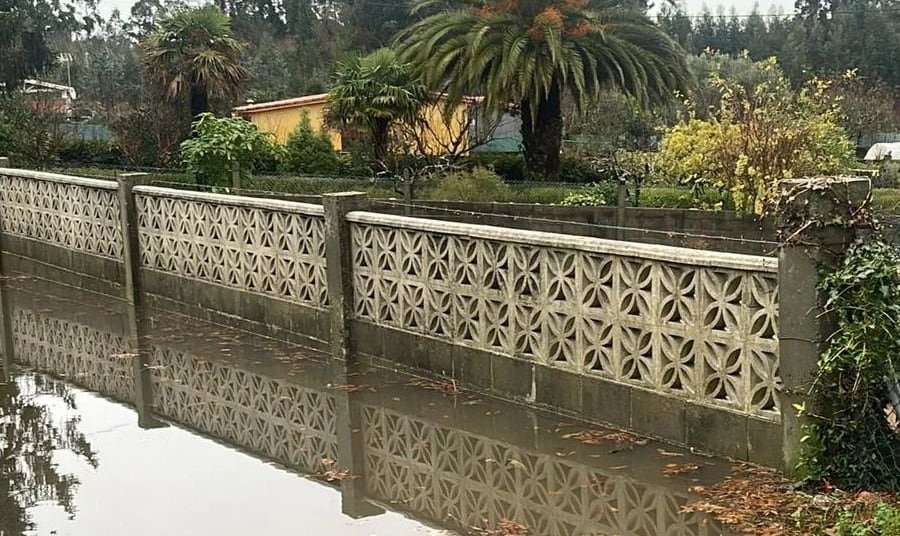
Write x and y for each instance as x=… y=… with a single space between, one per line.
x=886 y=200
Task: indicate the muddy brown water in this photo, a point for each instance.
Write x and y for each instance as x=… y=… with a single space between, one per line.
x=157 y=423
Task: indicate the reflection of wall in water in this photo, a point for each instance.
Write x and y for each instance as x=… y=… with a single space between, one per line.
x=452 y=476
x=282 y=421
x=447 y=475
x=93 y=359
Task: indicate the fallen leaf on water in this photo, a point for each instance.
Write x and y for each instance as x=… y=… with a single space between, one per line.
x=505 y=527
x=517 y=464
x=450 y=388
x=672 y=469
x=352 y=388
x=598 y=437
x=334 y=475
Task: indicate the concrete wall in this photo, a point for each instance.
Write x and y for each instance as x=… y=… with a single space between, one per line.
x=700 y=229
x=257 y=263
x=673 y=342
x=68 y=225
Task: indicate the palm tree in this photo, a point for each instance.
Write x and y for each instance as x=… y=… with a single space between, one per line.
x=194 y=52
x=372 y=92
x=535 y=52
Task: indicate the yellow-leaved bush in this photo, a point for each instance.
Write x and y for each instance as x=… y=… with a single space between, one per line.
x=760 y=136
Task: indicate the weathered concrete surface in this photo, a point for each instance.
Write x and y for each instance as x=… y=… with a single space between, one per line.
x=587 y=397
x=339 y=269
x=808 y=249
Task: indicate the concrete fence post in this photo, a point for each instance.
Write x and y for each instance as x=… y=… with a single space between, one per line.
x=621 y=205
x=236 y=176
x=339 y=258
x=128 y=221
x=4 y=162
x=806 y=250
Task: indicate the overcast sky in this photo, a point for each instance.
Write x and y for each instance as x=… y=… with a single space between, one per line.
x=742 y=7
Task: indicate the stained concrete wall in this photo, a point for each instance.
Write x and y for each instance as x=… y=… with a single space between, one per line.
x=260 y=264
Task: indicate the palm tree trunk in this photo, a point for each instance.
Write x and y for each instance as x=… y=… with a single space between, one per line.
x=381 y=129
x=542 y=134
x=199 y=100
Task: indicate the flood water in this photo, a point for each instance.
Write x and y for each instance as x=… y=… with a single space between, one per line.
x=155 y=423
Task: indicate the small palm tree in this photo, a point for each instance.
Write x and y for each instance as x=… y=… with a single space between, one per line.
x=533 y=52
x=194 y=52
x=372 y=92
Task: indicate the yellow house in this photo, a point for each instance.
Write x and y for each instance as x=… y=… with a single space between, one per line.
x=282 y=117
x=437 y=133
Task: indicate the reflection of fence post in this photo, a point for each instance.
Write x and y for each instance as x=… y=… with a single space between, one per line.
x=803 y=330
x=350 y=449
x=140 y=368
x=6 y=329
x=128 y=221
x=339 y=263
x=621 y=204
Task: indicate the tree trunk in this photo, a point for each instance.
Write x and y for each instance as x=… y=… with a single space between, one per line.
x=542 y=134
x=381 y=130
x=199 y=100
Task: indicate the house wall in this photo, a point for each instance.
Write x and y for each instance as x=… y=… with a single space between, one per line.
x=438 y=137
x=282 y=122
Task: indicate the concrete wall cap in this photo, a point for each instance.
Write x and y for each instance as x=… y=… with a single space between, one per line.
x=64 y=179
x=678 y=255
x=234 y=200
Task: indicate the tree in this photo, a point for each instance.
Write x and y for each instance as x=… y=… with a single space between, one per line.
x=309 y=152
x=32 y=435
x=374 y=22
x=866 y=106
x=194 y=52
x=372 y=93
x=26 y=28
x=535 y=52
x=760 y=136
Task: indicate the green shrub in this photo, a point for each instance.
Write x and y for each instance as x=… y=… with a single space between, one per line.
x=310 y=152
x=510 y=166
x=888 y=175
x=580 y=170
x=684 y=198
x=666 y=197
x=220 y=142
x=884 y=520
x=84 y=151
x=479 y=184
x=539 y=194
x=597 y=195
x=803 y=137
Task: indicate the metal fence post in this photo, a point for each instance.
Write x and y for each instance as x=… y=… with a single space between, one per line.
x=339 y=259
